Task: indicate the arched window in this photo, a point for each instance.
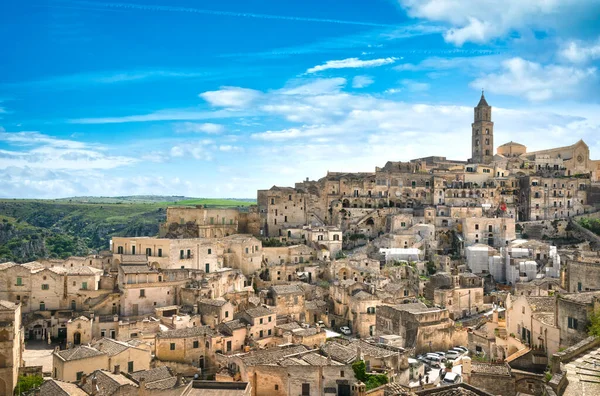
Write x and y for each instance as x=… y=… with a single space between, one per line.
x=487 y=131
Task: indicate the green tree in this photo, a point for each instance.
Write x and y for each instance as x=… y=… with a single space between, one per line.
x=26 y=383
x=371 y=381
x=594 y=327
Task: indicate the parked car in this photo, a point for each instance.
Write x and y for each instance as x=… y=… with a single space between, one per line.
x=433 y=360
x=321 y=323
x=462 y=348
x=441 y=354
x=345 y=330
x=453 y=355
x=451 y=378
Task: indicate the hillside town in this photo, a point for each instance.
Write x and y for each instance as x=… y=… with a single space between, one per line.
x=428 y=277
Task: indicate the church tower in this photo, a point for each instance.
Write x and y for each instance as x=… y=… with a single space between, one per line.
x=482 y=141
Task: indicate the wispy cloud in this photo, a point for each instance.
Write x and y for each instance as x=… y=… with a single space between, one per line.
x=581 y=52
x=362 y=81
x=165 y=8
x=351 y=63
x=231 y=97
x=208 y=127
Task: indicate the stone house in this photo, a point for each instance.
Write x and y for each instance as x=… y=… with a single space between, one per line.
x=71 y=365
x=495 y=232
x=106 y=383
x=143 y=288
x=262 y=321
x=295 y=254
x=495 y=378
x=291 y=370
x=60 y=388
x=80 y=330
x=202 y=222
x=234 y=335
x=215 y=311
x=531 y=320
x=193 y=345
x=16 y=284
x=583 y=273
x=287 y=300
x=420 y=327
x=572 y=315
x=123 y=355
x=11 y=346
x=463 y=298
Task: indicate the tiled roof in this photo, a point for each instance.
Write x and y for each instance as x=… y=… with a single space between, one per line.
x=137 y=269
x=111 y=347
x=233 y=325
x=546 y=318
x=271 y=356
x=309 y=359
x=59 y=388
x=33 y=266
x=583 y=297
x=155 y=374
x=490 y=368
x=80 y=352
x=187 y=332
x=7 y=305
x=107 y=383
x=163 y=384
x=363 y=295
x=133 y=258
x=8 y=264
x=258 y=312
x=289 y=326
x=214 y=302
x=371 y=350
x=84 y=270
x=339 y=352
x=314 y=305
x=541 y=304
x=286 y=289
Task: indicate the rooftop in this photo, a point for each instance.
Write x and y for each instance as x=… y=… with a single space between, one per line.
x=107 y=383
x=286 y=289
x=214 y=302
x=59 y=388
x=541 y=304
x=258 y=312
x=111 y=347
x=80 y=352
x=214 y=388
x=490 y=368
x=271 y=356
x=187 y=332
x=583 y=298
x=137 y=269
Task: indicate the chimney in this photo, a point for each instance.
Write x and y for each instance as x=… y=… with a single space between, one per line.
x=178 y=382
x=358 y=352
x=117 y=369
x=142 y=386
x=94 y=390
x=100 y=346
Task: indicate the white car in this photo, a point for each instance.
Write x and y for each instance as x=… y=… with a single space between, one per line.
x=453 y=355
x=345 y=330
x=451 y=378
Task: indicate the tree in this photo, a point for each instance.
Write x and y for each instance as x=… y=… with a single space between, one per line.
x=371 y=381
x=594 y=327
x=26 y=383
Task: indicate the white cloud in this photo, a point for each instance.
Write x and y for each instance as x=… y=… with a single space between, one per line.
x=233 y=97
x=317 y=86
x=351 y=63
x=39 y=151
x=209 y=128
x=229 y=148
x=480 y=21
x=578 y=52
x=415 y=86
x=200 y=150
x=534 y=81
x=362 y=81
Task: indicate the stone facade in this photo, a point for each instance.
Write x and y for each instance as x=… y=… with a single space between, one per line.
x=11 y=346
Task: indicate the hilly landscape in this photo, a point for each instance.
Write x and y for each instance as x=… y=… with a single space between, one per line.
x=34 y=229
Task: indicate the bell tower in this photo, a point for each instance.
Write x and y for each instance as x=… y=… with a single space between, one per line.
x=482 y=137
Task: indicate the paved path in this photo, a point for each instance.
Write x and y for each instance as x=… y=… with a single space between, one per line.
x=38 y=353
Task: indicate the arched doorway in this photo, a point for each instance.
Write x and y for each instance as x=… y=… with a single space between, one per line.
x=77 y=338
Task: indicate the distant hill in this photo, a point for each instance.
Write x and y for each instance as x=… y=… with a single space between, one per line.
x=32 y=229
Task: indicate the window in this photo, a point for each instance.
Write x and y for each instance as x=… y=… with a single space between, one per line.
x=42 y=306
x=142 y=293
x=120 y=250
x=572 y=323
x=130 y=367
x=226 y=314
x=523 y=310
x=285 y=219
x=276 y=387
x=79 y=375
x=133 y=250
x=172 y=346
x=261 y=321
x=148 y=251
x=405 y=293
x=269 y=332
x=181 y=254
x=272 y=201
x=73 y=305
x=476 y=226
x=83 y=285
x=45 y=287
x=189 y=253
x=196 y=344
x=260 y=334
x=159 y=252
x=212 y=220
x=269 y=318
x=246 y=250
x=19 y=281
x=18 y=298
x=103 y=333
x=305 y=389
x=289 y=197
x=342 y=373
x=209 y=251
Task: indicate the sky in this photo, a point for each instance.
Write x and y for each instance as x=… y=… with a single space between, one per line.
x=222 y=98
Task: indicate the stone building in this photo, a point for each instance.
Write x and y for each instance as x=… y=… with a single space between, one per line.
x=262 y=323
x=215 y=311
x=420 y=327
x=464 y=297
x=11 y=346
x=291 y=370
x=583 y=272
x=495 y=232
x=482 y=141
x=239 y=251
x=123 y=355
x=546 y=198
x=193 y=345
x=572 y=315
x=287 y=300
x=71 y=365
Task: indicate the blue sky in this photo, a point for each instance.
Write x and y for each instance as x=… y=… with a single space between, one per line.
x=219 y=99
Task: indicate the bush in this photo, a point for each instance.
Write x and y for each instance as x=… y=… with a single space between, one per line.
x=371 y=381
x=26 y=383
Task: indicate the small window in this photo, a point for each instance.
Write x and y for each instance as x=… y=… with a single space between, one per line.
x=172 y=346
x=209 y=251
x=276 y=387
x=226 y=314
x=181 y=254
x=148 y=251
x=196 y=344
x=572 y=323
x=42 y=306
x=130 y=367
x=261 y=321
x=142 y=293
x=342 y=373
x=83 y=285
x=79 y=375
x=45 y=287
x=19 y=281
x=269 y=332
x=269 y=318
x=189 y=253
x=159 y=252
